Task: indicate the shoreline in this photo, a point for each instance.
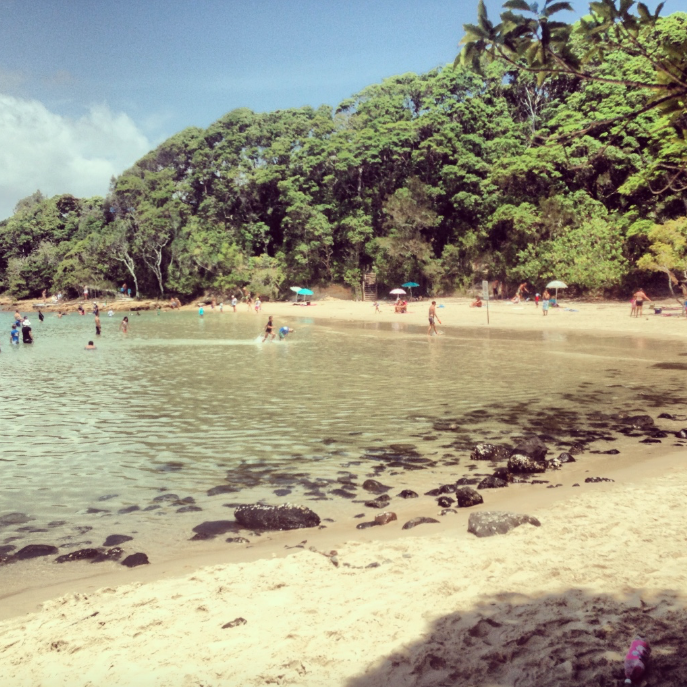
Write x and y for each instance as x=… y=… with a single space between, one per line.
x=424 y=600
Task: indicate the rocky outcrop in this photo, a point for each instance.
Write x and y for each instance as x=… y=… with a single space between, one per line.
x=532 y=447
x=492 y=482
x=490 y=452
x=638 y=421
x=520 y=463
x=80 y=555
x=35 y=551
x=489 y=523
x=283 y=517
x=135 y=559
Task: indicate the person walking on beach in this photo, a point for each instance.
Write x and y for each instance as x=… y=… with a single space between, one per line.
x=234 y=302
x=269 y=329
x=640 y=297
x=221 y=306
x=97 y=324
x=258 y=305
x=375 y=305
x=432 y=317
x=545 y=305
x=124 y=326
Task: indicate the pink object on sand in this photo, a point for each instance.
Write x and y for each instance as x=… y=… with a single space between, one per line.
x=636 y=660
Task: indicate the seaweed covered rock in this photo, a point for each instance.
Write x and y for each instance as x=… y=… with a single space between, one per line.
x=487 y=451
x=488 y=523
x=520 y=463
x=283 y=517
x=532 y=447
x=467 y=497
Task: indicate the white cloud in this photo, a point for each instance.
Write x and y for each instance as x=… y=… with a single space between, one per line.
x=43 y=150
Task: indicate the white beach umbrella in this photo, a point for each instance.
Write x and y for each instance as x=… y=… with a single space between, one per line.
x=556 y=285
x=398 y=292
x=295 y=289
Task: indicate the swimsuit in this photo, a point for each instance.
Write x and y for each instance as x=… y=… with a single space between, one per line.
x=431 y=319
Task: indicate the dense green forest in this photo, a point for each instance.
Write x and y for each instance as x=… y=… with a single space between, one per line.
x=443 y=178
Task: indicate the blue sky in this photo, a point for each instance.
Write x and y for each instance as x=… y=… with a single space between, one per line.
x=87 y=86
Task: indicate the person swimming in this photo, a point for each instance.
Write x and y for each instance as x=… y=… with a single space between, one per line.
x=284 y=332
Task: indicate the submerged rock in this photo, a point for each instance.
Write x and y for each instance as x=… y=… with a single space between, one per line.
x=489 y=523
x=532 y=447
x=592 y=480
x=638 y=421
x=128 y=509
x=212 y=528
x=80 y=555
x=467 y=497
x=566 y=458
x=282 y=517
x=419 y=521
x=408 y=494
x=237 y=540
x=113 y=554
x=380 y=502
x=222 y=489
x=14 y=519
x=35 y=551
x=135 y=559
x=117 y=539
x=375 y=487
x=165 y=497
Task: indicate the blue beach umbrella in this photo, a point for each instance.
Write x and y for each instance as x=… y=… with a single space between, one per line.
x=305 y=292
x=410 y=285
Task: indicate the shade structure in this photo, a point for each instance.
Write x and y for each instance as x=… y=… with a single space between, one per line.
x=305 y=292
x=398 y=292
x=556 y=285
x=295 y=289
x=410 y=285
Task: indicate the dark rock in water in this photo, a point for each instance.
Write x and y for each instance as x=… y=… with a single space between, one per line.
x=375 y=487
x=576 y=449
x=447 y=488
x=467 y=497
x=611 y=452
x=128 y=509
x=14 y=519
x=566 y=458
x=31 y=529
x=57 y=523
x=212 y=528
x=418 y=521
x=682 y=434
x=34 y=551
x=135 y=559
x=80 y=555
x=638 y=421
x=408 y=494
x=117 y=539
x=463 y=481
x=113 y=554
x=189 y=509
x=670 y=366
x=433 y=492
x=385 y=518
x=365 y=525
x=237 y=540
x=380 y=502
x=650 y=441
x=489 y=523
x=94 y=511
x=221 y=489
x=359 y=515
x=107 y=497
x=170 y=467
x=165 y=497
x=343 y=493
x=592 y=480
x=490 y=452
x=553 y=486
x=576 y=484
x=282 y=517
x=540 y=481
x=444 y=502
x=492 y=482
x=666 y=416
x=281 y=492
x=4 y=550
x=188 y=500
x=446 y=511
x=234 y=623
x=532 y=447
x=520 y=463
x=155 y=506
x=658 y=434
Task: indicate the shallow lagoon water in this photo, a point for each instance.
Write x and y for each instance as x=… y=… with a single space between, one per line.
x=183 y=404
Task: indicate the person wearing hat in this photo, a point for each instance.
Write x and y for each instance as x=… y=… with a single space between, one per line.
x=26 y=335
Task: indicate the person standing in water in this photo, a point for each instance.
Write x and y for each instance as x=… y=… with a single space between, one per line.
x=14 y=335
x=26 y=335
x=640 y=297
x=432 y=317
x=97 y=324
x=201 y=311
x=124 y=326
x=41 y=316
x=90 y=346
x=17 y=318
x=269 y=329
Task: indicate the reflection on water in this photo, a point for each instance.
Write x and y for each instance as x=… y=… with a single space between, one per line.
x=186 y=404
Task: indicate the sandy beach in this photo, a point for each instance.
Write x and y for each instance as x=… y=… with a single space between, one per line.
x=549 y=605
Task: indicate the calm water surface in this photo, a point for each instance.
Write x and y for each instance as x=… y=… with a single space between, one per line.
x=183 y=404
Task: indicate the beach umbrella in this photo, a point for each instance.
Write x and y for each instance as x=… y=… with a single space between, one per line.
x=556 y=285
x=410 y=285
x=305 y=292
x=398 y=292
x=295 y=289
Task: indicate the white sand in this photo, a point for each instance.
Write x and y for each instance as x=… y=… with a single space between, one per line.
x=554 y=605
